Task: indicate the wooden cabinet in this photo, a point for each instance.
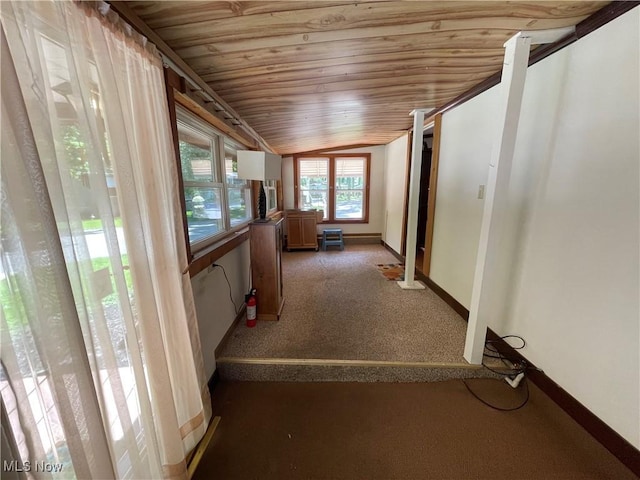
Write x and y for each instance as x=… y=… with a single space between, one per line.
x=301 y=229
x=266 y=267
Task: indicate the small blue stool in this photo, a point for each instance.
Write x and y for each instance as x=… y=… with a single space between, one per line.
x=332 y=236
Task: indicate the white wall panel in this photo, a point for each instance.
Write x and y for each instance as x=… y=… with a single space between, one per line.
x=395 y=178
x=571 y=261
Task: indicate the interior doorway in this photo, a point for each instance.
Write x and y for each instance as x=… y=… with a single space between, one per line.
x=427 y=195
x=423 y=201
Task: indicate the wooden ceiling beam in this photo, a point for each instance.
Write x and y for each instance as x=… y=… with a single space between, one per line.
x=332 y=143
x=335 y=149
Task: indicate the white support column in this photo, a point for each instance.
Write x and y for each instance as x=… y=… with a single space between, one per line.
x=514 y=71
x=414 y=197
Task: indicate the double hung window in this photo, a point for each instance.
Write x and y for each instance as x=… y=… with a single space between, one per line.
x=271 y=193
x=337 y=184
x=313 y=184
x=238 y=190
x=216 y=201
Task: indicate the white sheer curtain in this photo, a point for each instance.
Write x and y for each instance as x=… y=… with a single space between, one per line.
x=102 y=371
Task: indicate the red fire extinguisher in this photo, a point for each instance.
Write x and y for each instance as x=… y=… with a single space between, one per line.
x=251 y=309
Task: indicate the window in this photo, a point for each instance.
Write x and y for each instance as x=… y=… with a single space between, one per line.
x=350 y=188
x=238 y=191
x=216 y=201
x=337 y=184
x=313 y=184
x=271 y=194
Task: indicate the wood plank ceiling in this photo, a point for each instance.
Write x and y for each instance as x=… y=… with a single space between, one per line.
x=318 y=75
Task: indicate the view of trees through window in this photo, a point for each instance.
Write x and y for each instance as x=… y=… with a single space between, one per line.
x=202 y=191
x=238 y=193
x=216 y=200
x=336 y=184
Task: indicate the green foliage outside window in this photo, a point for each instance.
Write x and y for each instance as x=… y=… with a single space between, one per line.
x=76 y=151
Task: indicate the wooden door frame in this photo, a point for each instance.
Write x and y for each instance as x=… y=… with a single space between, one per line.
x=405 y=210
x=433 y=187
x=433 y=183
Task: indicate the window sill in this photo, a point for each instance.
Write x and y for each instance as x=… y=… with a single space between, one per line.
x=341 y=222
x=217 y=250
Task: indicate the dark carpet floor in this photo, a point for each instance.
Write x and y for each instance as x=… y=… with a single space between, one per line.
x=397 y=431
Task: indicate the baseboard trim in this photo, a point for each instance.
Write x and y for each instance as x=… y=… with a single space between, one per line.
x=452 y=302
x=362 y=238
x=392 y=251
x=603 y=433
x=598 y=429
x=229 y=331
x=349 y=239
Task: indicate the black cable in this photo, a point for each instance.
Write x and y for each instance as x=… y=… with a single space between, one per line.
x=522 y=368
x=491 y=348
x=522 y=404
x=513 y=371
x=524 y=344
x=228 y=283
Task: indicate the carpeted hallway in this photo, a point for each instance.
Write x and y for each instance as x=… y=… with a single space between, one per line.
x=339 y=306
x=344 y=321
x=408 y=431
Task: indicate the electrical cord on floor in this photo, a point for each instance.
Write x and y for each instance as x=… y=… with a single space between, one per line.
x=228 y=283
x=522 y=404
x=515 y=375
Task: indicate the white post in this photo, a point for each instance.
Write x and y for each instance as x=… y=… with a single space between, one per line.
x=514 y=71
x=414 y=197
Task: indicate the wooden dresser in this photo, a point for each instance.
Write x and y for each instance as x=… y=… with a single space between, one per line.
x=266 y=267
x=301 y=229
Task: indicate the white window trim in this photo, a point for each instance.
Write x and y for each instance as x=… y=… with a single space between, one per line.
x=271 y=185
x=194 y=122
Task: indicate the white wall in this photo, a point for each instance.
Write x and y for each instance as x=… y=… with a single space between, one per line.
x=465 y=145
x=395 y=177
x=213 y=306
x=376 y=191
x=571 y=260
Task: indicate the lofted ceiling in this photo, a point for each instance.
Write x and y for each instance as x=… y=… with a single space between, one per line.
x=318 y=75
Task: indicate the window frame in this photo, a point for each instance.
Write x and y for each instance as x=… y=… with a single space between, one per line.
x=331 y=201
x=200 y=125
x=248 y=186
x=271 y=186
